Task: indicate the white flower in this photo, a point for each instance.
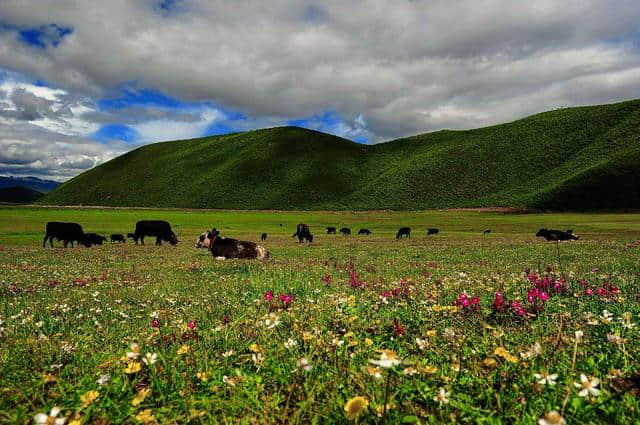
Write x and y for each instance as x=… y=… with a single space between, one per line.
x=51 y=418
x=150 y=359
x=588 y=386
x=606 y=317
x=257 y=359
x=534 y=351
x=272 y=321
x=303 y=363
x=626 y=320
x=409 y=371
x=442 y=396
x=135 y=351
x=423 y=344
x=551 y=418
x=290 y=343
x=375 y=372
x=546 y=379
x=615 y=339
x=103 y=379
x=337 y=342
x=228 y=353
x=388 y=358
x=579 y=335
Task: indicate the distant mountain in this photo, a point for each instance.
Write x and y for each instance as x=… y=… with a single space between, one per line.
x=32 y=183
x=19 y=195
x=581 y=158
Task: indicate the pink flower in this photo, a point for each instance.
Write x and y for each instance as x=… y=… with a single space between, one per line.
x=398 y=329
x=498 y=302
x=326 y=279
x=517 y=307
x=588 y=292
x=192 y=325
x=155 y=323
x=386 y=294
x=354 y=279
x=285 y=299
x=268 y=296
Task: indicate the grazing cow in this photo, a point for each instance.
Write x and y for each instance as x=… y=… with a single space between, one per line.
x=65 y=232
x=118 y=237
x=556 y=235
x=364 y=232
x=403 y=231
x=433 y=231
x=95 y=239
x=345 y=231
x=158 y=228
x=303 y=232
x=132 y=236
x=263 y=237
x=486 y=232
x=331 y=230
x=233 y=248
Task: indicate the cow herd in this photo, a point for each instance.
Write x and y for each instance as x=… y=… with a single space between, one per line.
x=223 y=247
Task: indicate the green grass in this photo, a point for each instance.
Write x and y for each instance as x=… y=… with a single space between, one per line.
x=70 y=315
x=546 y=161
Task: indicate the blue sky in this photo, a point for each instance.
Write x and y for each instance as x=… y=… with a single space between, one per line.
x=81 y=83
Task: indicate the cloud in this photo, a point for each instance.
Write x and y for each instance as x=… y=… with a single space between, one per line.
x=369 y=70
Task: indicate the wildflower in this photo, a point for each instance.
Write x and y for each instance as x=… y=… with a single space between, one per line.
x=498 y=302
x=51 y=418
x=285 y=299
x=516 y=306
x=228 y=353
x=546 y=379
x=588 y=386
x=615 y=339
x=423 y=344
x=409 y=371
x=272 y=321
x=626 y=320
x=268 y=296
x=551 y=418
x=146 y=417
x=183 y=350
x=290 y=343
x=202 y=376
x=368 y=342
x=255 y=348
x=135 y=351
x=155 y=323
x=303 y=363
x=467 y=303
x=150 y=359
x=257 y=359
x=326 y=279
x=375 y=372
x=388 y=359
x=88 y=398
x=606 y=317
x=140 y=396
x=534 y=351
x=579 y=335
x=192 y=325
x=398 y=329
x=442 y=396
x=49 y=377
x=132 y=367
x=233 y=381
x=103 y=379
x=502 y=352
x=355 y=406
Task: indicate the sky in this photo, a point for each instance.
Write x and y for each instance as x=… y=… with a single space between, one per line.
x=82 y=82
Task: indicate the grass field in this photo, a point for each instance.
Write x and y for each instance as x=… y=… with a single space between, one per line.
x=220 y=351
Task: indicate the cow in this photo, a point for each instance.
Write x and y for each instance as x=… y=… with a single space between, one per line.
x=118 y=237
x=263 y=237
x=570 y=231
x=203 y=240
x=486 y=232
x=95 y=239
x=345 y=231
x=433 y=231
x=364 y=232
x=331 y=230
x=158 y=228
x=303 y=232
x=556 y=235
x=232 y=248
x=403 y=231
x=65 y=232
x=132 y=236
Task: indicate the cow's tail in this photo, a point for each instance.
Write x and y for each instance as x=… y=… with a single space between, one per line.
x=294 y=235
x=262 y=253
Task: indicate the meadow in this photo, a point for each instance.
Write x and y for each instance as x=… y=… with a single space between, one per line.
x=460 y=327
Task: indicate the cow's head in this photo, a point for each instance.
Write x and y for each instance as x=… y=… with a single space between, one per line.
x=542 y=232
x=173 y=239
x=86 y=241
x=203 y=240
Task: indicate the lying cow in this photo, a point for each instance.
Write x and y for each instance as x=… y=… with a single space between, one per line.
x=556 y=235
x=95 y=239
x=65 y=232
x=223 y=248
x=433 y=231
x=331 y=230
x=303 y=233
x=118 y=237
x=158 y=228
x=345 y=231
x=364 y=232
x=403 y=231
x=203 y=240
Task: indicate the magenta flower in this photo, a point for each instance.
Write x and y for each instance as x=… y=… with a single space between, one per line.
x=268 y=296
x=498 y=302
x=192 y=325
x=286 y=300
x=326 y=279
x=155 y=323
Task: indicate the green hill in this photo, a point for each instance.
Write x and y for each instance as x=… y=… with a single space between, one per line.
x=574 y=158
x=19 y=195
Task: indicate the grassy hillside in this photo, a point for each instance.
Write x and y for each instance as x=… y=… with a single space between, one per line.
x=19 y=195
x=575 y=158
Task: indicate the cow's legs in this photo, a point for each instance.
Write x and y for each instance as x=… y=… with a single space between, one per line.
x=158 y=241
x=44 y=242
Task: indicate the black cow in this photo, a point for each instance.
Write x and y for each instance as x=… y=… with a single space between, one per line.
x=158 y=228
x=118 y=237
x=345 y=231
x=433 y=231
x=403 y=231
x=364 y=232
x=132 y=236
x=570 y=231
x=65 y=232
x=263 y=237
x=331 y=230
x=233 y=248
x=556 y=235
x=486 y=232
x=95 y=239
x=303 y=232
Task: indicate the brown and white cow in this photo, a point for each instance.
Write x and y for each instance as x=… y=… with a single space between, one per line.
x=223 y=248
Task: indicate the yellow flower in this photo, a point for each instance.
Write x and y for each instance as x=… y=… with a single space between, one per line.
x=489 y=363
x=500 y=351
x=431 y=333
x=146 y=417
x=132 y=367
x=255 y=348
x=202 y=376
x=88 y=398
x=355 y=406
x=368 y=342
x=428 y=370
x=140 y=396
x=183 y=350
x=307 y=336
x=48 y=377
